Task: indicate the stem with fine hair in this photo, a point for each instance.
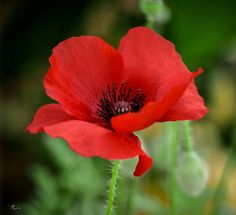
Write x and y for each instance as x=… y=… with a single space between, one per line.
x=219 y=194
x=132 y=187
x=188 y=142
x=173 y=163
x=112 y=187
x=150 y=24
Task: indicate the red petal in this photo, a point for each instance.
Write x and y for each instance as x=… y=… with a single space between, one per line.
x=49 y=114
x=88 y=139
x=80 y=68
x=189 y=107
x=130 y=122
x=154 y=60
x=152 y=111
x=144 y=164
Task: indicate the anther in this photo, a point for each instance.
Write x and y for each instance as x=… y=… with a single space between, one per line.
x=119 y=100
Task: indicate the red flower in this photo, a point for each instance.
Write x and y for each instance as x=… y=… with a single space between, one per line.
x=104 y=94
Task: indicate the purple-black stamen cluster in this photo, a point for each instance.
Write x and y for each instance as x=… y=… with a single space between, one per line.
x=115 y=101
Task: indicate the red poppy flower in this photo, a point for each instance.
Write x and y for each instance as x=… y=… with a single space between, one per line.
x=104 y=94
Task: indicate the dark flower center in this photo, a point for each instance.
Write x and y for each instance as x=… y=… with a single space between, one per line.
x=119 y=100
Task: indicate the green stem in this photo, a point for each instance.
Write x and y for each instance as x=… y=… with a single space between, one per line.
x=173 y=163
x=188 y=142
x=112 y=187
x=219 y=194
x=131 y=193
x=150 y=24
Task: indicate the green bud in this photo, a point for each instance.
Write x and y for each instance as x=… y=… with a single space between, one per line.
x=154 y=10
x=151 y=7
x=192 y=173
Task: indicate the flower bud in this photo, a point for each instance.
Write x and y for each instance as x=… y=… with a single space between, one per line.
x=155 y=10
x=192 y=173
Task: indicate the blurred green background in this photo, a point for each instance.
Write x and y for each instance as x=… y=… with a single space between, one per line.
x=40 y=175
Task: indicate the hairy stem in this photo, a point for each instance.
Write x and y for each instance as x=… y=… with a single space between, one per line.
x=219 y=194
x=131 y=193
x=150 y=24
x=188 y=142
x=112 y=187
x=173 y=163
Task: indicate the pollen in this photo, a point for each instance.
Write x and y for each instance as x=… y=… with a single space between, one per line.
x=115 y=101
